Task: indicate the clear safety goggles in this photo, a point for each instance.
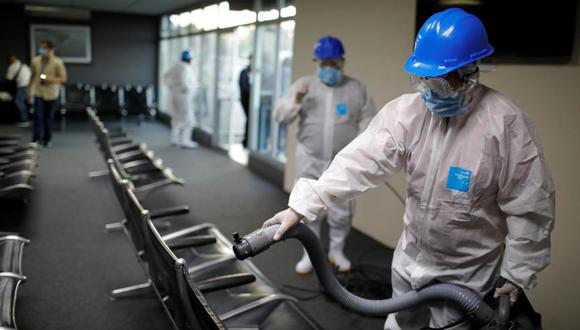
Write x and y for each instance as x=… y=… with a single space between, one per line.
x=441 y=86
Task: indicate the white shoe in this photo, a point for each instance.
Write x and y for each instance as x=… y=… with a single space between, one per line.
x=304 y=266
x=189 y=145
x=338 y=259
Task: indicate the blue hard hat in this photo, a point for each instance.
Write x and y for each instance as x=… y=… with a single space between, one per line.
x=328 y=47
x=448 y=40
x=185 y=55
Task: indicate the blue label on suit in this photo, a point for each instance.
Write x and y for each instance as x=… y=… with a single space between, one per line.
x=458 y=179
x=341 y=109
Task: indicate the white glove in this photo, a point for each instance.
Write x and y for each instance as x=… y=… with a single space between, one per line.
x=287 y=219
x=509 y=288
x=301 y=94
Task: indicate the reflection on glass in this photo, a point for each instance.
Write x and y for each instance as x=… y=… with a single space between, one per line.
x=229 y=18
x=288 y=11
x=268 y=15
x=211 y=17
x=206 y=95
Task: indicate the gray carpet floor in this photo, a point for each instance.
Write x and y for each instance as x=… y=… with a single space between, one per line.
x=72 y=264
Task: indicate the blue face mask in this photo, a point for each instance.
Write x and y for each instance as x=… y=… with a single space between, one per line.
x=329 y=76
x=41 y=51
x=443 y=107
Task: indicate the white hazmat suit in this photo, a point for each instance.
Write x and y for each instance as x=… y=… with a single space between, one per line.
x=182 y=83
x=480 y=199
x=330 y=118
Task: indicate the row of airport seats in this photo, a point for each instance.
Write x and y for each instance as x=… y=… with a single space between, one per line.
x=109 y=100
x=18 y=162
x=11 y=248
x=135 y=160
x=193 y=271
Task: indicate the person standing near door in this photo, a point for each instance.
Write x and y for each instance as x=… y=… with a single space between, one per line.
x=48 y=73
x=245 y=86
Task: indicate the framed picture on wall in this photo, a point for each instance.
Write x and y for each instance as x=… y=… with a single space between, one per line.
x=72 y=43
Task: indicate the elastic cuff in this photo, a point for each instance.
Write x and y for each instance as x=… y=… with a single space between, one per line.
x=301 y=209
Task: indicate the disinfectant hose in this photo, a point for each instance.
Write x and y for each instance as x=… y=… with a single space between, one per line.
x=261 y=239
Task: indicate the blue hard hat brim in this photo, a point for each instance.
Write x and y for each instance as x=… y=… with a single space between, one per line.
x=329 y=58
x=424 y=69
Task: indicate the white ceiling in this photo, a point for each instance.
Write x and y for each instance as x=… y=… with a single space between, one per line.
x=147 y=7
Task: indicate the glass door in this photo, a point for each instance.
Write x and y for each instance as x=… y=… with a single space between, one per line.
x=207 y=73
x=284 y=80
x=273 y=77
x=234 y=50
x=264 y=83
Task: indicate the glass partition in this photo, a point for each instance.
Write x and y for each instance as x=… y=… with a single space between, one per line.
x=207 y=76
x=234 y=48
x=265 y=77
x=221 y=41
x=284 y=82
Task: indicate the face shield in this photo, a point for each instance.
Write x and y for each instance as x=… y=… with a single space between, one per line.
x=444 y=86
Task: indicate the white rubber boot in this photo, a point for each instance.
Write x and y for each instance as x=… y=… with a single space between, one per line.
x=336 y=257
x=175 y=136
x=186 y=139
x=339 y=224
x=304 y=266
x=337 y=235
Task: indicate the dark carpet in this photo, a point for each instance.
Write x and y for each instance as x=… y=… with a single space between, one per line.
x=72 y=264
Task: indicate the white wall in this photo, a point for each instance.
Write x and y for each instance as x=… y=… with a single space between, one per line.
x=378 y=36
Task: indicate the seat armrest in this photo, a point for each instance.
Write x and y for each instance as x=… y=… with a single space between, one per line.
x=121 y=141
x=169 y=211
x=116 y=135
x=125 y=147
x=190 y=242
x=225 y=282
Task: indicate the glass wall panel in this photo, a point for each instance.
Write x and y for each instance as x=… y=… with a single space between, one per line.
x=284 y=80
x=225 y=99
x=221 y=41
x=265 y=77
x=163 y=67
x=207 y=76
x=235 y=48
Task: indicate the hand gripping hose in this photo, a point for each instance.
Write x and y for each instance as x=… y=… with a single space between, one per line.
x=261 y=239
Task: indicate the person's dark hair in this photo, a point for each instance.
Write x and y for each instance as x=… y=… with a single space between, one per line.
x=49 y=44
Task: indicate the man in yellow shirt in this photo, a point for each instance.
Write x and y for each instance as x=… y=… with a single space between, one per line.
x=48 y=73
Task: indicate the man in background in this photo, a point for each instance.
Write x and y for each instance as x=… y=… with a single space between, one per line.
x=18 y=76
x=244 y=82
x=48 y=73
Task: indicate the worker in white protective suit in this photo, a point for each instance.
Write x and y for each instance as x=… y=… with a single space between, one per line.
x=480 y=198
x=182 y=83
x=333 y=110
